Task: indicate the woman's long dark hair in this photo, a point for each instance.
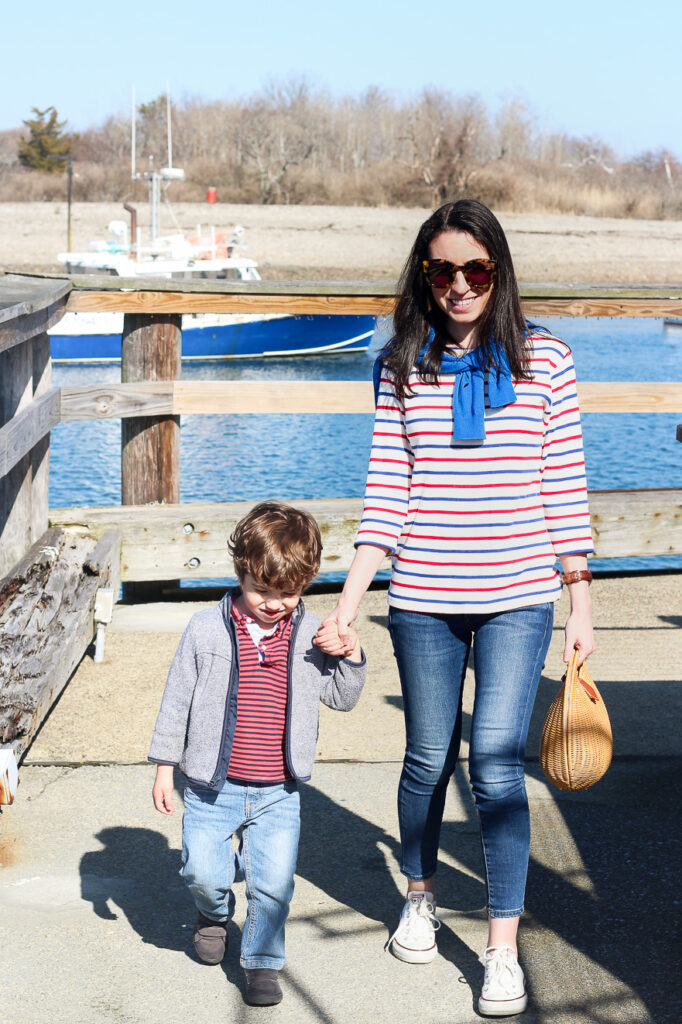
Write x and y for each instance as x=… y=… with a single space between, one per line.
x=416 y=313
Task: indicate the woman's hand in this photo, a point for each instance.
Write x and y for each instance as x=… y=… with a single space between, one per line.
x=334 y=635
x=330 y=641
x=579 y=635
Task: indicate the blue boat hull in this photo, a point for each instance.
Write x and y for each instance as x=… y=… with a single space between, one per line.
x=284 y=336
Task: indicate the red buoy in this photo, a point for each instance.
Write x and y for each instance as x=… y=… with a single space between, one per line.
x=211 y=195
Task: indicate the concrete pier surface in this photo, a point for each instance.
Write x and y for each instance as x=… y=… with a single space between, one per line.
x=96 y=926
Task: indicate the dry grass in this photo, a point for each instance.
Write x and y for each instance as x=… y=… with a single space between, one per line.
x=524 y=188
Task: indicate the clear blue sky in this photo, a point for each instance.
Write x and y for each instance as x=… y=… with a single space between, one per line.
x=610 y=68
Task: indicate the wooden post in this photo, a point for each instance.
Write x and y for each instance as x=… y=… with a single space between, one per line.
x=40 y=456
x=16 y=392
x=150 y=445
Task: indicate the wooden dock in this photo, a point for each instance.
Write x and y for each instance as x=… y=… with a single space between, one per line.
x=55 y=564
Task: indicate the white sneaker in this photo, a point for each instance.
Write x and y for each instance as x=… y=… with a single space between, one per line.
x=414 y=940
x=504 y=988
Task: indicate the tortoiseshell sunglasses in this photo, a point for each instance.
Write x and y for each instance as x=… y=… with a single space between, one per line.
x=478 y=274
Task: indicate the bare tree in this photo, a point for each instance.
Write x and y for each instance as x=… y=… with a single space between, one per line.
x=293 y=142
x=514 y=126
x=449 y=142
x=273 y=136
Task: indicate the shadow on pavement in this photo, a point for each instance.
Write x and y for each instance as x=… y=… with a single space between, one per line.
x=625 y=831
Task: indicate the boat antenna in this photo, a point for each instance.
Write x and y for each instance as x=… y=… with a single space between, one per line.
x=168 y=118
x=132 y=141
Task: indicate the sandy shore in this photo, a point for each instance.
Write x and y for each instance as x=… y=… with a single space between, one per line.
x=361 y=243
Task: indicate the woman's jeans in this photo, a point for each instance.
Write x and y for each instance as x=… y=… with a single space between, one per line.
x=509 y=652
x=267 y=819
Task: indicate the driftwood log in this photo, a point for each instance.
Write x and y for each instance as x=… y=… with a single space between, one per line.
x=47 y=622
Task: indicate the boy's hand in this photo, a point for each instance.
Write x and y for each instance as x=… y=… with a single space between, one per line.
x=333 y=635
x=162 y=793
x=330 y=641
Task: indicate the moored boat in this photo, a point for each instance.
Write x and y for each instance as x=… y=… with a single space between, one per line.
x=96 y=337
x=209 y=254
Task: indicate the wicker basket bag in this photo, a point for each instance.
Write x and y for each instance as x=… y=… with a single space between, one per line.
x=577 y=743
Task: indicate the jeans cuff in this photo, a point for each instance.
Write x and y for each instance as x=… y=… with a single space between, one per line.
x=253 y=963
x=504 y=913
x=418 y=878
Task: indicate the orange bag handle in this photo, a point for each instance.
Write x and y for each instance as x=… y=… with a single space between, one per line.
x=582 y=675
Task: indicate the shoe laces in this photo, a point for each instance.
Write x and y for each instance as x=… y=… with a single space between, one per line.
x=501 y=968
x=415 y=914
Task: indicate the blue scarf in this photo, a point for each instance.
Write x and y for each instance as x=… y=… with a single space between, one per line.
x=468 y=393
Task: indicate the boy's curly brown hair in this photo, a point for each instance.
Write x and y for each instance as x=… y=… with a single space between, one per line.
x=278 y=545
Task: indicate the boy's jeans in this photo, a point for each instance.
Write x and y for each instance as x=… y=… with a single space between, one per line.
x=268 y=819
x=509 y=652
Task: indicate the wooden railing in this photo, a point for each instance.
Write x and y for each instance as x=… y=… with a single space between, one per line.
x=27 y=411
x=625 y=523
x=91 y=549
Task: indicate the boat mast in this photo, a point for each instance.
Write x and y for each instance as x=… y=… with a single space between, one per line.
x=132 y=139
x=153 y=176
x=168 y=122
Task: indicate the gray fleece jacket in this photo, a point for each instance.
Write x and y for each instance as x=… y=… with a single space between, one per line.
x=195 y=725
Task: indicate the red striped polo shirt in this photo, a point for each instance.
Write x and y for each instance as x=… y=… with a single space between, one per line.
x=258 y=745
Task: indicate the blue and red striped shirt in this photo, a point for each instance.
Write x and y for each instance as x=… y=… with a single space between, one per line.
x=478 y=527
x=258 y=753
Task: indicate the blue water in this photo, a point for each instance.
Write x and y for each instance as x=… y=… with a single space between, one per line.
x=235 y=458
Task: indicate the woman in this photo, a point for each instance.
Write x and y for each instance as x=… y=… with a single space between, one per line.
x=476 y=486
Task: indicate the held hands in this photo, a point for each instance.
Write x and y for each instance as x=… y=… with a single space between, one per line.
x=162 y=793
x=335 y=635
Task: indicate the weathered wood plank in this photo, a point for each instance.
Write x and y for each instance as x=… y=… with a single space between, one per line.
x=113 y=401
x=16 y=394
x=386 y=287
x=40 y=451
x=46 y=624
x=105 y=560
x=636 y=523
x=16 y=332
x=25 y=430
x=84 y=284
x=21 y=295
x=190 y=541
x=29 y=306
x=157 y=398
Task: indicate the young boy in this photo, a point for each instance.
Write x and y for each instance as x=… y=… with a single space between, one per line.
x=239 y=717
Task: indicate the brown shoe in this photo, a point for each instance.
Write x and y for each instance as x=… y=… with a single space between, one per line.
x=262 y=986
x=210 y=939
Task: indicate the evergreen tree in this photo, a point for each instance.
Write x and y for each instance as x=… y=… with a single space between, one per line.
x=47 y=147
